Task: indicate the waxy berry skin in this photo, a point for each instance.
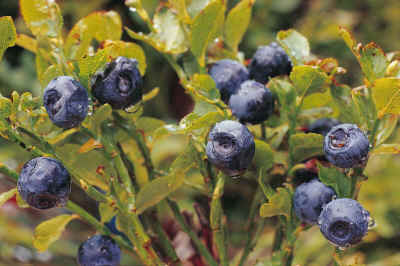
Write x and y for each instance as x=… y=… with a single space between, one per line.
x=99 y=250
x=230 y=147
x=309 y=198
x=119 y=84
x=268 y=62
x=66 y=102
x=346 y=146
x=228 y=75
x=322 y=126
x=252 y=103
x=44 y=183
x=344 y=222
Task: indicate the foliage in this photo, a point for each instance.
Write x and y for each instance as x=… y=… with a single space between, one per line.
x=112 y=156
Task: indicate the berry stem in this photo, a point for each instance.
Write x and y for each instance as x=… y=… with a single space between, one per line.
x=216 y=216
x=201 y=248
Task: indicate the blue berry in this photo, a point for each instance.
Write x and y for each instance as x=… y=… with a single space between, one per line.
x=309 y=198
x=44 y=183
x=252 y=103
x=346 y=146
x=269 y=61
x=66 y=102
x=322 y=126
x=228 y=75
x=230 y=147
x=99 y=250
x=119 y=84
x=344 y=222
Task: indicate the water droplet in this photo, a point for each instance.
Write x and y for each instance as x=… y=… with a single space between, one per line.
x=334 y=197
x=132 y=9
x=371 y=223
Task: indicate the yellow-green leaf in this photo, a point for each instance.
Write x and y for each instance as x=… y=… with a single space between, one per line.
x=49 y=231
x=5 y=107
x=88 y=65
x=8 y=34
x=43 y=17
x=309 y=79
x=304 y=146
x=386 y=149
x=99 y=26
x=264 y=156
x=386 y=95
x=20 y=202
x=334 y=178
x=279 y=204
x=237 y=22
x=295 y=45
x=180 y=6
x=4 y=197
x=205 y=27
x=27 y=42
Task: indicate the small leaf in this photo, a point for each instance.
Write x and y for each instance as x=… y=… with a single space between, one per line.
x=386 y=95
x=20 y=202
x=5 y=196
x=88 y=65
x=98 y=26
x=386 y=128
x=364 y=105
x=8 y=34
x=195 y=7
x=49 y=74
x=27 y=42
x=205 y=27
x=386 y=149
x=5 y=107
x=170 y=35
x=264 y=156
x=334 y=178
x=180 y=6
x=94 y=121
x=90 y=145
x=341 y=95
x=279 y=204
x=308 y=79
x=107 y=211
x=304 y=146
x=295 y=45
x=49 y=231
x=151 y=94
x=43 y=17
x=286 y=96
x=205 y=85
x=148 y=124
x=237 y=22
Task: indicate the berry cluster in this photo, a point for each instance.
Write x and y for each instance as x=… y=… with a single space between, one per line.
x=342 y=221
x=244 y=90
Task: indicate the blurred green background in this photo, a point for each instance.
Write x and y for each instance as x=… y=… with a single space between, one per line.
x=370 y=20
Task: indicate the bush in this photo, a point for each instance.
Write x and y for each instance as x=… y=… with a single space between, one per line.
x=108 y=150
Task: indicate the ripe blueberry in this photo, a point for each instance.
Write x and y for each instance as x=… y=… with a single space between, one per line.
x=309 y=198
x=228 y=75
x=119 y=84
x=99 y=250
x=252 y=103
x=230 y=147
x=322 y=126
x=66 y=102
x=344 y=222
x=44 y=183
x=269 y=61
x=346 y=146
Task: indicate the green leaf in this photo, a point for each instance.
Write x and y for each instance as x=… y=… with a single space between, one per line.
x=107 y=211
x=98 y=26
x=304 y=146
x=20 y=202
x=386 y=149
x=170 y=35
x=8 y=34
x=276 y=136
x=237 y=23
x=295 y=45
x=286 y=96
x=5 y=107
x=264 y=156
x=196 y=6
x=49 y=231
x=5 y=196
x=43 y=17
x=93 y=122
x=205 y=85
x=371 y=57
x=205 y=27
x=148 y=124
x=334 y=178
x=309 y=79
x=386 y=95
x=364 y=105
x=88 y=65
x=279 y=204
x=180 y=7
x=49 y=74
x=341 y=95
x=386 y=128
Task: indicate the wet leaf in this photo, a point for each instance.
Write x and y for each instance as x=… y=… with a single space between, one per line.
x=43 y=17
x=49 y=231
x=309 y=79
x=8 y=34
x=295 y=45
x=386 y=95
